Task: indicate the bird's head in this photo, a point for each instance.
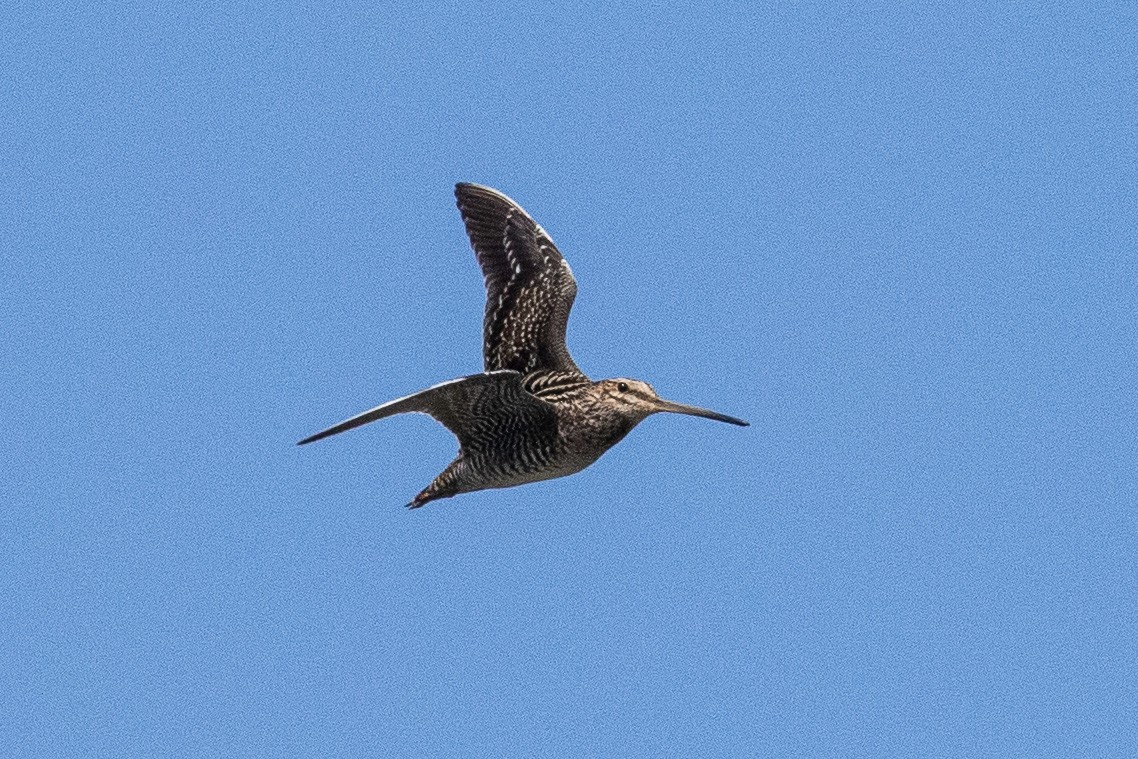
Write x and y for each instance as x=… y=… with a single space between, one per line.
x=636 y=400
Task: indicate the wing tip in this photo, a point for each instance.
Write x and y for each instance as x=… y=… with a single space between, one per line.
x=465 y=191
x=462 y=189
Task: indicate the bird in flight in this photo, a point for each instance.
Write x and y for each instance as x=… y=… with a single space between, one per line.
x=532 y=414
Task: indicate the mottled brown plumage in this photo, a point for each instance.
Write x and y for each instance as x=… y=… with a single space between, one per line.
x=532 y=414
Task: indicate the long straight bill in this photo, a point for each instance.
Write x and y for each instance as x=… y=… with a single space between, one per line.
x=680 y=408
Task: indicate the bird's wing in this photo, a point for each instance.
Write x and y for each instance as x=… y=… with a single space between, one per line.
x=529 y=286
x=478 y=409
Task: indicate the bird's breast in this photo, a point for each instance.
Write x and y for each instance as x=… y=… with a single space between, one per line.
x=587 y=436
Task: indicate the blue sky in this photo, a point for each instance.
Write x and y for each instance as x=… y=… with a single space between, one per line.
x=899 y=239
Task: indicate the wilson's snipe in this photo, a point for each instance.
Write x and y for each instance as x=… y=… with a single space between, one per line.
x=532 y=415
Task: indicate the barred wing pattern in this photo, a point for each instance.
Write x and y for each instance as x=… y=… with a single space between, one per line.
x=481 y=410
x=529 y=286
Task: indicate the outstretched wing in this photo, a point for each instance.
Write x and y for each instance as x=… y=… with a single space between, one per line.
x=479 y=410
x=529 y=286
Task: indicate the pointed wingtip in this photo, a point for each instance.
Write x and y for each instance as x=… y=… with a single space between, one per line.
x=461 y=187
x=471 y=191
x=463 y=191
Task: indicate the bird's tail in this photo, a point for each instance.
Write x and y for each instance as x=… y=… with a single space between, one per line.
x=443 y=486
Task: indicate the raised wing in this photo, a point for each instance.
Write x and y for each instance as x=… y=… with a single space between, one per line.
x=479 y=410
x=529 y=286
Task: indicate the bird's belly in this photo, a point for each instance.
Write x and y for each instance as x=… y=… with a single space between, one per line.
x=532 y=459
x=510 y=476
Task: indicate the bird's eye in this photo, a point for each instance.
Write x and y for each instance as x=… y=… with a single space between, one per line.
x=622 y=387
